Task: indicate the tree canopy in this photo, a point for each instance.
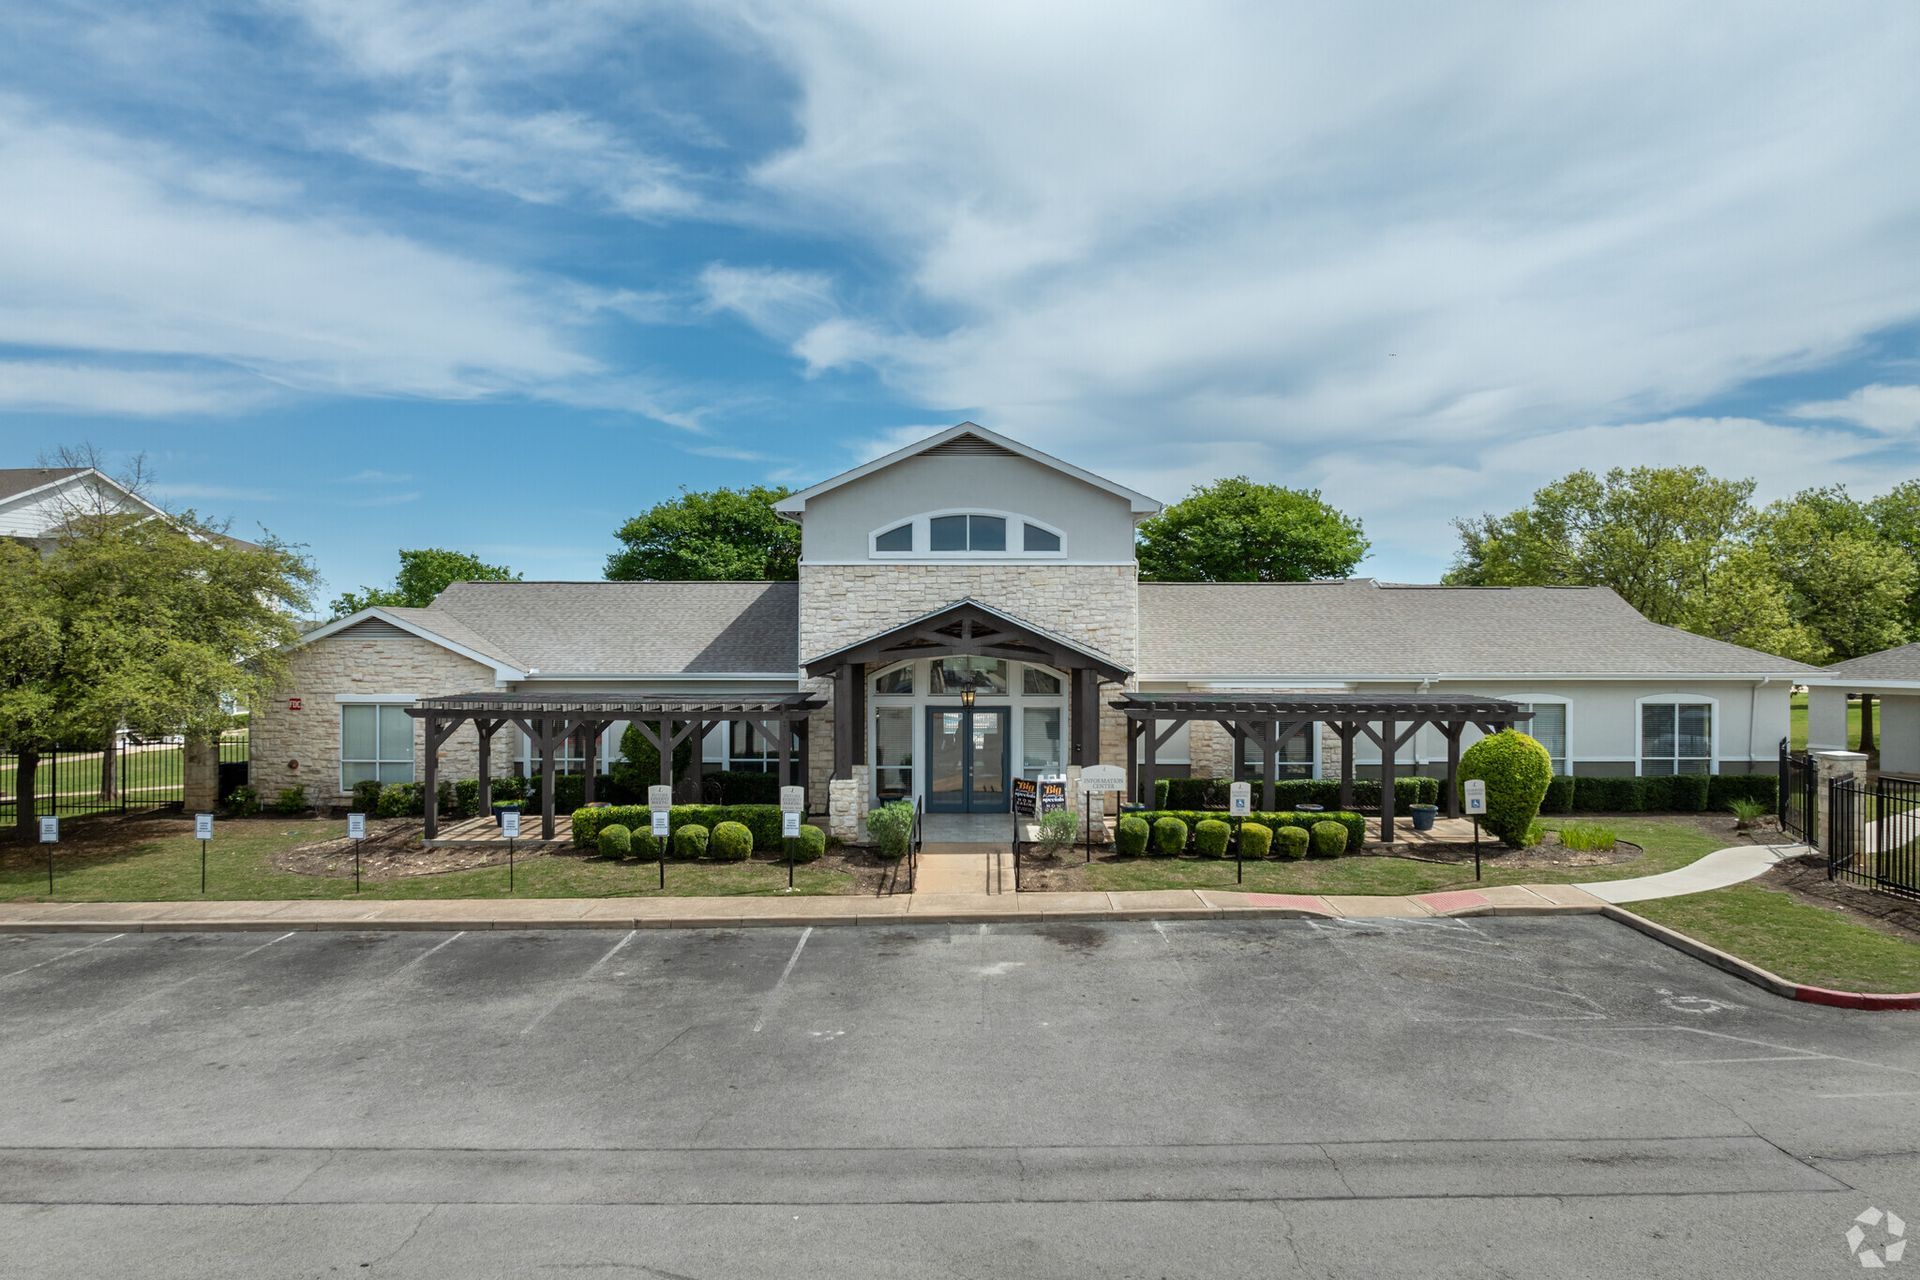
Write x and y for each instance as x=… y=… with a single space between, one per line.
x=1818 y=577
x=711 y=534
x=424 y=573
x=158 y=625
x=1239 y=530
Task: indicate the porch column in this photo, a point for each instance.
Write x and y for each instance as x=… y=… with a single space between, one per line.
x=849 y=717
x=1387 y=752
x=1827 y=719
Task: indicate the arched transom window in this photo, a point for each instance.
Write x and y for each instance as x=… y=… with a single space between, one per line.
x=937 y=535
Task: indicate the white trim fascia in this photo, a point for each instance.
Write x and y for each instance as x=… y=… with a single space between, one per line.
x=376 y=697
x=1864 y=684
x=677 y=677
x=967 y=558
x=1652 y=677
x=502 y=671
x=795 y=504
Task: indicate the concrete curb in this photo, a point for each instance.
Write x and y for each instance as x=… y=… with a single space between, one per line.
x=1762 y=978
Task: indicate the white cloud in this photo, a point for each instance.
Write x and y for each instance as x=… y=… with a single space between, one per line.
x=781 y=303
x=386 y=499
x=548 y=157
x=1877 y=407
x=407 y=37
x=52 y=386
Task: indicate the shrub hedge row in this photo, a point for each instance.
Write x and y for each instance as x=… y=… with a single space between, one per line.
x=762 y=822
x=1211 y=793
x=1355 y=824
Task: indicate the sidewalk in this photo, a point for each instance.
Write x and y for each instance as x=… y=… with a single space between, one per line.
x=953 y=889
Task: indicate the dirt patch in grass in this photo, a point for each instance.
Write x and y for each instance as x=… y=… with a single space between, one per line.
x=1805 y=880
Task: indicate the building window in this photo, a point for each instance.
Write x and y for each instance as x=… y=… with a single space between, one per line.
x=1038 y=682
x=1549 y=728
x=376 y=743
x=1296 y=757
x=893 y=752
x=750 y=751
x=1038 y=539
x=897 y=681
x=898 y=538
x=1040 y=751
x=986 y=676
x=1676 y=737
x=967 y=533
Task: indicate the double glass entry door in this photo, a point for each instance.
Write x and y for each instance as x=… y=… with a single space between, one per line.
x=967 y=759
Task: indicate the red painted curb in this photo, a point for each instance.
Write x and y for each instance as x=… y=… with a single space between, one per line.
x=1857 y=999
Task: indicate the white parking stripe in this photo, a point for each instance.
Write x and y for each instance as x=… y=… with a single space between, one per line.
x=63 y=955
x=774 y=995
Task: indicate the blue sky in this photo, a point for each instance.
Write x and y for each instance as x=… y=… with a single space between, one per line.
x=497 y=274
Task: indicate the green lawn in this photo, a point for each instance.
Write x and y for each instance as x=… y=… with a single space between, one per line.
x=1667 y=845
x=1797 y=722
x=239 y=866
x=1799 y=942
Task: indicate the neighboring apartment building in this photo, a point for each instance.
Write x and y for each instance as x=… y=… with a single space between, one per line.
x=37 y=502
x=968 y=610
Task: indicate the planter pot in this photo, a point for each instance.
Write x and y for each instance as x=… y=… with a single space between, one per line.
x=1423 y=815
x=499 y=809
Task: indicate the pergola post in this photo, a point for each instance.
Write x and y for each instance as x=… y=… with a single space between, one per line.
x=432 y=763
x=1133 y=761
x=804 y=764
x=667 y=745
x=1387 y=752
x=1153 y=762
x=549 y=739
x=697 y=760
x=1347 y=732
x=785 y=736
x=1269 y=764
x=590 y=756
x=1452 y=733
x=486 y=728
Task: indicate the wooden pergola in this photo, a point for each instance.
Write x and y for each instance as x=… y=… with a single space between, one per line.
x=550 y=720
x=1271 y=720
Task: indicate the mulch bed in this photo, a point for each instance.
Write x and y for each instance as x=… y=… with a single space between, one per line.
x=1805 y=880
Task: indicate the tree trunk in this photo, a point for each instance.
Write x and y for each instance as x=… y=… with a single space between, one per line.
x=25 y=820
x=1866 y=746
x=109 y=766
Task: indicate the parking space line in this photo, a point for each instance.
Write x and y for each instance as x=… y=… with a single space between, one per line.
x=774 y=995
x=62 y=956
x=592 y=969
x=438 y=946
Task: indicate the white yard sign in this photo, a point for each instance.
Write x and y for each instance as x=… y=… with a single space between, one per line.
x=1475 y=792
x=793 y=799
x=49 y=831
x=510 y=824
x=789 y=825
x=1103 y=777
x=356 y=826
x=1240 y=799
x=660 y=823
x=203 y=826
x=659 y=799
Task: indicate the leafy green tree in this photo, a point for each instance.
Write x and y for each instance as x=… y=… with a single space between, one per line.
x=1238 y=530
x=1657 y=535
x=1896 y=514
x=1746 y=604
x=727 y=535
x=424 y=574
x=159 y=625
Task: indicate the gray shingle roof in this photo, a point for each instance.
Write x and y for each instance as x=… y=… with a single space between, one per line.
x=628 y=628
x=1902 y=663
x=1365 y=628
x=15 y=480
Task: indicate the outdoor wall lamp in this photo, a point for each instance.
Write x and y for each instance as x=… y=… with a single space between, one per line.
x=966 y=697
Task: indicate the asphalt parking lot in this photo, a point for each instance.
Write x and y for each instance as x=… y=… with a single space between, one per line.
x=1540 y=1097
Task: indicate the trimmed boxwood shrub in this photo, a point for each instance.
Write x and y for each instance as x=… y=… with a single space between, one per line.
x=366 y=797
x=1290 y=842
x=401 y=800
x=1176 y=794
x=891 y=826
x=732 y=842
x=1211 y=837
x=811 y=844
x=1559 y=797
x=1169 y=837
x=761 y=819
x=1256 y=841
x=690 y=842
x=1355 y=824
x=615 y=841
x=1516 y=769
x=1329 y=839
x=1130 y=835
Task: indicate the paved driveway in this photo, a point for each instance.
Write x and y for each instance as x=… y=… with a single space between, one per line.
x=1272 y=1098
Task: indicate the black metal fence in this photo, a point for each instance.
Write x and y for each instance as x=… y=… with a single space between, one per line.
x=1796 y=803
x=127 y=775
x=1873 y=834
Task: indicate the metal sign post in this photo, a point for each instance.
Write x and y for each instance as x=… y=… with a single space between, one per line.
x=203 y=832
x=1099 y=779
x=1239 y=806
x=793 y=804
x=510 y=827
x=356 y=832
x=50 y=836
x=1474 y=791
x=662 y=828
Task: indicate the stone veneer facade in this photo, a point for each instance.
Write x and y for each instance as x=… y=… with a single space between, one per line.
x=1094 y=605
x=382 y=661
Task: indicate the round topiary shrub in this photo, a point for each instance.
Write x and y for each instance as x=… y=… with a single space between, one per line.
x=1516 y=770
x=1130 y=836
x=1256 y=841
x=811 y=844
x=690 y=842
x=1329 y=839
x=616 y=841
x=1169 y=837
x=1290 y=842
x=732 y=842
x=1210 y=838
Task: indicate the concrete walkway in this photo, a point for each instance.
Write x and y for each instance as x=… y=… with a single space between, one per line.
x=952 y=888
x=1715 y=871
